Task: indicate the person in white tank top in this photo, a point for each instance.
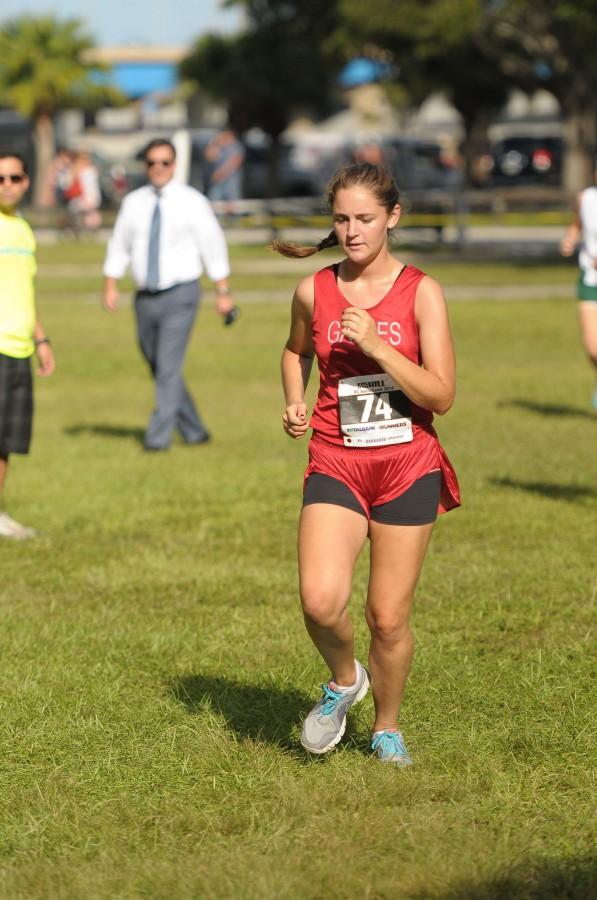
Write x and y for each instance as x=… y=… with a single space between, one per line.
x=583 y=229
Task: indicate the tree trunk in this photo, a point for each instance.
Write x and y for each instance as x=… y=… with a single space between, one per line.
x=273 y=157
x=475 y=146
x=580 y=143
x=43 y=138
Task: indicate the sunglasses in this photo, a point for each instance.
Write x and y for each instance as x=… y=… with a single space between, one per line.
x=166 y=163
x=14 y=179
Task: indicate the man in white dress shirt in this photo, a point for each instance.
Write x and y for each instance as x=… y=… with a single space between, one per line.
x=168 y=234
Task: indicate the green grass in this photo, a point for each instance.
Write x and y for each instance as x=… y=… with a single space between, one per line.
x=64 y=271
x=155 y=667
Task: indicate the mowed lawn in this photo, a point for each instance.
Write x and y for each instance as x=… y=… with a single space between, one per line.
x=155 y=666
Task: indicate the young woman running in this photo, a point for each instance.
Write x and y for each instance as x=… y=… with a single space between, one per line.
x=380 y=331
x=584 y=229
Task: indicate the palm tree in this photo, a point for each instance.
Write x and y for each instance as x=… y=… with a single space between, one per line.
x=43 y=70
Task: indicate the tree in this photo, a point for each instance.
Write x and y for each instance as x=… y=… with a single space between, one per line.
x=551 y=44
x=435 y=48
x=278 y=65
x=42 y=70
x=477 y=50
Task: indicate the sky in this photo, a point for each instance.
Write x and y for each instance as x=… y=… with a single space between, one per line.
x=174 y=22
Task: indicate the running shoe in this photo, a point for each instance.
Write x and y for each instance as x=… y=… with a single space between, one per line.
x=326 y=723
x=11 y=529
x=390 y=747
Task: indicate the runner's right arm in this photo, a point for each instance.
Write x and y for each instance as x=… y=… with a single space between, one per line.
x=573 y=232
x=297 y=360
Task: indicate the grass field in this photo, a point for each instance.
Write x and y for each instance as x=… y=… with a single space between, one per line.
x=155 y=668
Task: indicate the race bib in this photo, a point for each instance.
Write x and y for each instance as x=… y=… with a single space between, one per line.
x=373 y=411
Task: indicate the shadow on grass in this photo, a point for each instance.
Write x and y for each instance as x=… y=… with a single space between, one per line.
x=104 y=430
x=569 y=492
x=262 y=713
x=571 y=879
x=549 y=409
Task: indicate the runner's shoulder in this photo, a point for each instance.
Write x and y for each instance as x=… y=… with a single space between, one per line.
x=429 y=287
x=304 y=295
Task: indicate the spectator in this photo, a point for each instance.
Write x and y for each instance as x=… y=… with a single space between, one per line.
x=83 y=194
x=21 y=333
x=168 y=233
x=225 y=155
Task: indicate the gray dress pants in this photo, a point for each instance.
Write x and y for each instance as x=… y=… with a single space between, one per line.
x=164 y=324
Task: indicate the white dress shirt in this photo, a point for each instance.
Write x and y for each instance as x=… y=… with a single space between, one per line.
x=191 y=239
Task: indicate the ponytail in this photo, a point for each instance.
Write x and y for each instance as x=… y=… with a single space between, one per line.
x=298 y=251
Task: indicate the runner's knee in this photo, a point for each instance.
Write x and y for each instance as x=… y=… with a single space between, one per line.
x=322 y=605
x=389 y=626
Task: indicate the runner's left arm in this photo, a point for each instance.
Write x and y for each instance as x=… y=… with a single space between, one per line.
x=432 y=385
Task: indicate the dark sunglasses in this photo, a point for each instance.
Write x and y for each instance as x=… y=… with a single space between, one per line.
x=166 y=163
x=14 y=179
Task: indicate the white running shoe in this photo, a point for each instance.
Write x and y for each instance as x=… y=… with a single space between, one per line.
x=324 y=726
x=11 y=529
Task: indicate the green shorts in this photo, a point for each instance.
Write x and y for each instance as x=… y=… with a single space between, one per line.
x=585 y=291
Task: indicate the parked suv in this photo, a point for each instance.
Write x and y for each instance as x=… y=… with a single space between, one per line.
x=528 y=160
x=419 y=165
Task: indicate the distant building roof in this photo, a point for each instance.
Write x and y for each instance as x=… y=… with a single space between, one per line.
x=122 y=53
x=137 y=70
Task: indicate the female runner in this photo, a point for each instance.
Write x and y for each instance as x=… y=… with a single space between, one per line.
x=584 y=228
x=380 y=331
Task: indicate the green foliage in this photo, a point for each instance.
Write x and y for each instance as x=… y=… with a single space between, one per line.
x=43 y=67
x=278 y=65
x=434 y=46
x=155 y=665
x=546 y=44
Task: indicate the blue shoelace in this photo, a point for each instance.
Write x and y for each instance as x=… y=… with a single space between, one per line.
x=389 y=742
x=330 y=700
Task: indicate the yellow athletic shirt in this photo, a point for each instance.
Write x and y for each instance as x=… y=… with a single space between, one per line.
x=17 y=301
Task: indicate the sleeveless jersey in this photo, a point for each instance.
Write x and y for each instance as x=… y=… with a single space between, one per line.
x=588 y=250
x=339 y=358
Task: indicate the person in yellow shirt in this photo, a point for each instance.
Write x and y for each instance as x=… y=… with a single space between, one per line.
x=21 y=332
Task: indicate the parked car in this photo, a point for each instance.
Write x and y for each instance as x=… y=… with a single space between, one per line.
x=420 y=165
x=526 y=160
x=118 y=177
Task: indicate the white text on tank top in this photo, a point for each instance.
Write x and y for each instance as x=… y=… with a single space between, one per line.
x=389 y=331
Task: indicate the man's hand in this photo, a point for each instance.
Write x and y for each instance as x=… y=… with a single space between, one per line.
x=45 y=358
x=295 y=421
x=111 y=297
x=224 y=304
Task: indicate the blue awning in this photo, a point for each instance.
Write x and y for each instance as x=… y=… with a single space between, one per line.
x=364 y=71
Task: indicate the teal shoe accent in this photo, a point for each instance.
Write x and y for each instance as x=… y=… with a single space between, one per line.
x=390 y=748
x=324 y=726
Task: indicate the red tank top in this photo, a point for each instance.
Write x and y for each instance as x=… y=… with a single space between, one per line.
x=339 y=357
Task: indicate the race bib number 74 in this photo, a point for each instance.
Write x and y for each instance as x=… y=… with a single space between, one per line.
x=373 y=411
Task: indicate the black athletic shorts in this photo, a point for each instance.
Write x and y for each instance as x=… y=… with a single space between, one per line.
x=416 y=506
x=16 y=404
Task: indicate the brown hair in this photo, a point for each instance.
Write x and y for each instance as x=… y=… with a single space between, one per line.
x=377 y=179
x=159 y=142
x=10 y=154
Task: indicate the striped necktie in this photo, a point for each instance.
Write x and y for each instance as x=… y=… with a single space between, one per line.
x=153 y=250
